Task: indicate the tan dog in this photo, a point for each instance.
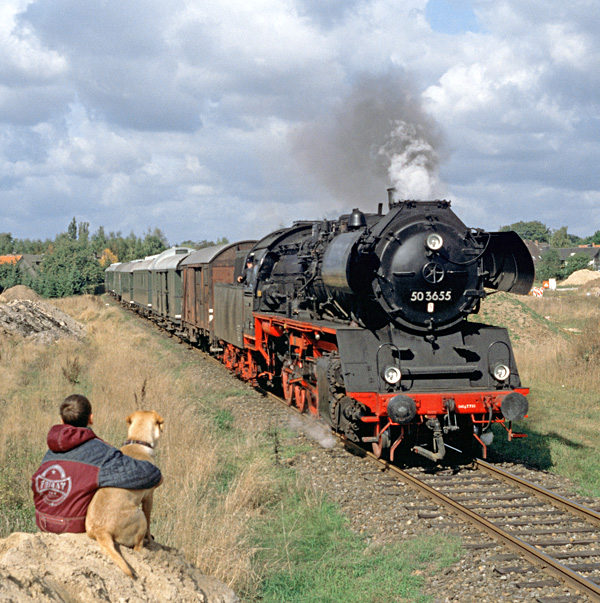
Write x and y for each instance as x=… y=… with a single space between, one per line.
x=114 y=514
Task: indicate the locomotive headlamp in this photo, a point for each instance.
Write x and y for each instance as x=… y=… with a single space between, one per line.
x=392 y=374
x=501 y=372
x=434 y=241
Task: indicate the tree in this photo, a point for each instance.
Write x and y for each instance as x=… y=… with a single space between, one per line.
x=117 y=245
x=99 y=241
x=72 y=230
x=531 y=231
x=203 y=243
x=579 y=261
x=154 y=242
x=107 y=258
x=9 y=276
x=35 y=246
x=561 y=238
x=83 y=231
x=592 y=239
x=6 y=243
x=71 y=269
x=549 y=265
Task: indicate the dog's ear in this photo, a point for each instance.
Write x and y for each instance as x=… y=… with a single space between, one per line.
x=159 y=420
x=129 y=419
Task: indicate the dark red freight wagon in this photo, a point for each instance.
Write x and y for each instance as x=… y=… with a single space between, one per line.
x=201 y=270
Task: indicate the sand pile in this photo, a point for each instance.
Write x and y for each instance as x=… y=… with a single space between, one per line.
x=72 y=567
x=18 y=292
x=580 y=277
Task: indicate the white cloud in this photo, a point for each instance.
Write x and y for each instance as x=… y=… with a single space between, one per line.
x=180 y=115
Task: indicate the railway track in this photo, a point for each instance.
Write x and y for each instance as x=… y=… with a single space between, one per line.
x=544 y=529
x=541 y=528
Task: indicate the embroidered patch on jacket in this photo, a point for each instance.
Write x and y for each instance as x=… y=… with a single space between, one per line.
x=53 y=485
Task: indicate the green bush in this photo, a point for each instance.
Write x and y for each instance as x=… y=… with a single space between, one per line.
x=71 y=268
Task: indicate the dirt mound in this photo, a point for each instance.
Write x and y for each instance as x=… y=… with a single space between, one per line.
x=580 y=277
x=71 y=567
x=520 y=315
x=19 y=292
x=38 y=320
x=592 y=286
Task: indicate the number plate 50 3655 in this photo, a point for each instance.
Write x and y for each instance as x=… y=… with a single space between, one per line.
x=418 y=296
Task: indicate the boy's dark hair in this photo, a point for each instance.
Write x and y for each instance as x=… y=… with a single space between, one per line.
x=76 y=410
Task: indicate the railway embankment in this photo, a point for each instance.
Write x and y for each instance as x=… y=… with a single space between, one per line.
x=262 y=500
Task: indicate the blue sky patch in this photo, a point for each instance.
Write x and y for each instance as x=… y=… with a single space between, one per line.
x=451 y=16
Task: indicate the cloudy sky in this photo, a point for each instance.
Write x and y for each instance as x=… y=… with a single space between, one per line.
x=210 y=118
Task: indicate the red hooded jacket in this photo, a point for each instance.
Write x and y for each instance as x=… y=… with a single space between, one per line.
x=77 y=464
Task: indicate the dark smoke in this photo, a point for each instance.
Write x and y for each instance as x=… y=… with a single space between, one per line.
x=377 y=136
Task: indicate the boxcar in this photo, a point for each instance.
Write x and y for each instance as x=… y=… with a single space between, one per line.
x=109 y=278
x=167 y=287
x=142 y=284
x=202 y=270
x=124 y=281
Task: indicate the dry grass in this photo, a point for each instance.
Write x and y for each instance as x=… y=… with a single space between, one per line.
x=566 y=308
x=569 y=354
x=213 y=483
x=559 y=359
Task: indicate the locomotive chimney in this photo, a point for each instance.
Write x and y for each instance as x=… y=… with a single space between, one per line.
x=391 y=194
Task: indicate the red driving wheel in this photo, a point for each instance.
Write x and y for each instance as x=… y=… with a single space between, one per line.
x=288 y=389
x=300 y=397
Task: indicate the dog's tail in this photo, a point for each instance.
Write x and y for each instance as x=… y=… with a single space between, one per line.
x=105 y=540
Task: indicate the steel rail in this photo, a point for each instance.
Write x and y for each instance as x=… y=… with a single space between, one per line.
x=535 y=556
x=532 y=554
x=557 y=500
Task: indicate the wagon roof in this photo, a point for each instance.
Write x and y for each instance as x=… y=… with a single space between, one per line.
x=113 y=267
x=170 y=258
x=126 y=266
x=208 y=254
x=145 y=263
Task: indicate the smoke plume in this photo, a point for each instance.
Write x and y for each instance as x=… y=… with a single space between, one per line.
x=314 y=430
x=377 y=136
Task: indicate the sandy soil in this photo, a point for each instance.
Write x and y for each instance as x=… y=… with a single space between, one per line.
x=580 y=277
x=18 y=292
x=72 y=568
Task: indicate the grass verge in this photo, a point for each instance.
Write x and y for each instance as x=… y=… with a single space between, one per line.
x=309 y=554
x=559 y=360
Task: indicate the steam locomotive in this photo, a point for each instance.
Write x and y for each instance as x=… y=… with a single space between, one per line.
x=362 y=321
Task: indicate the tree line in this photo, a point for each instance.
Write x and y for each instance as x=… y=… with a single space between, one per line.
x=550 y=264
x=74 y=261
x=537 y=231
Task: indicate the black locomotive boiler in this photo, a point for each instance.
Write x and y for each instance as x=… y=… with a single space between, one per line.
x=364 y=321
